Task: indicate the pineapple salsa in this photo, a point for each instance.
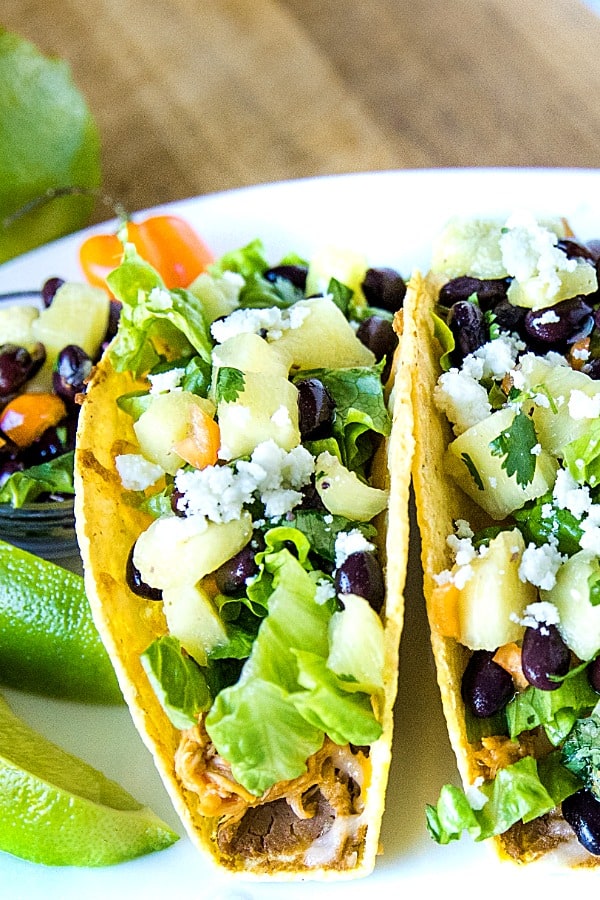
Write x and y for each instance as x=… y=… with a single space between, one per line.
x=517 y=318
x=262 y=408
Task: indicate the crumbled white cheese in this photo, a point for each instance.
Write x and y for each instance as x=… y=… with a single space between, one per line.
x=281 y=417
x=539 y=565
x=163 y=382
x=136 y=472
x=348 y=542
x=463 y=400
x=160 y=298
x=536 y=449
x=582 y=406
x=463 y=529
x=569 y=495
x=530 y=254
x=499 y=356
x=581 y=353
x=538 y=615
x=548 y=317
x=462 y=548
x=272 y=473
x=324 y=591
x=270 y=322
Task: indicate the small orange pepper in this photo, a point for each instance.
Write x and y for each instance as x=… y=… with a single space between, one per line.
x=25 y=418
x=200 y=447
x=509 y=657
x=167 y=242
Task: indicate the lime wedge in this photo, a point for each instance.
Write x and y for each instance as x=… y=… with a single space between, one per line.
x=57 y=810
x=48 y=641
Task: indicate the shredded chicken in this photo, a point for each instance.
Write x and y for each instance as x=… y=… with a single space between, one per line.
x=499 y=751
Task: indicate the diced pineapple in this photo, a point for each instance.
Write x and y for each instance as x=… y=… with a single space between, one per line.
x=219 y=295
x=16 y=324
x=78 y=315
x=343 y=493
x=470 y=462
x=193 y=619
x=469 y=247
x=579 y=624
x=356 y=643
x=165 y=423
x=175 y=550
x=554 y=425
x=325 y=338
x=266 y=409
x=493 y=594
x=536 y=293
x=248 y=352
x=346 y=266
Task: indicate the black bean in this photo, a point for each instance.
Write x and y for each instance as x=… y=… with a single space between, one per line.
x=557 y=325
x=49 y=289
x=315 y=407
x=543 y=654
x=311 y=499
x=508 y=316
x=231 y=577
x=136 y=583
x=593 y=674
x=576 y=250
x=467 y=323
x=114 y=314
x=582 y=811
x=47 y=447
x=8 y=467
x=592 y=368
x=489 y=291
x=486 y=687
x=360 y=573
x=176 y=496
x=379 y=336
x=73 y=366
x=295 y=274
x=385 y=288
x=17 y=366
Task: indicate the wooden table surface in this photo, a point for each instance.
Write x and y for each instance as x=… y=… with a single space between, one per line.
x=193 y=97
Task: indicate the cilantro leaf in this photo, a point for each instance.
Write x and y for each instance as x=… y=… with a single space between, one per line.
x=230 y=384
x=581 y=751
x=516 y=445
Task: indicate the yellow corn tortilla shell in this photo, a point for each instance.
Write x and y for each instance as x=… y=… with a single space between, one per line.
x=440 y=502
x=107 y=526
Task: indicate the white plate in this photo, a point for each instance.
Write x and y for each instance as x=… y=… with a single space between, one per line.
x=392 y=217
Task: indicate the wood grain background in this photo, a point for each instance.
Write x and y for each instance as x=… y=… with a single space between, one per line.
x=194 y=97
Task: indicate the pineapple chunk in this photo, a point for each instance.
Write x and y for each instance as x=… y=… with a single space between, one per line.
x=579 y=624
x=165 y=423
x=493 y=594
x=266 y=409
x=536 y=294
x=248 y=352
x=16 y=325
x=175 y=550
x=324 y=339
x=343 y=493
x=555 y=427
x=346 y=266
x=193 y=619
x=469 y=460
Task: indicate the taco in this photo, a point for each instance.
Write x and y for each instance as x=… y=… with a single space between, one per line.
x=242 y=480
x=506 y=483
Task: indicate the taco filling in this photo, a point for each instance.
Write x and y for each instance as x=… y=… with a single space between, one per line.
x=245 y=590
x=510 y=438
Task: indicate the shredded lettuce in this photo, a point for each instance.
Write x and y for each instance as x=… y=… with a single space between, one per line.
x=177 y=680
x=522 y=791
x=286 y=700
x=556 y=710
x=52 y=477
x=154 y=322
x=360 y=410
x=582 y=456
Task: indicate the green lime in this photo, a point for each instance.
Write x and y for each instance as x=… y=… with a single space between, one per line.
x=48 y=142
x=48 y=641
x=57 y=810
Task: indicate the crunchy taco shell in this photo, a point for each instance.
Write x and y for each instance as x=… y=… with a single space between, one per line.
x=107 y=526
x=440 y=503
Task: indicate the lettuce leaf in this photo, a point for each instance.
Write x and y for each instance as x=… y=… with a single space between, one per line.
x=52 y=477
x=154 y=322
x=520 y=792
x=360 y=410
x=177 y=680
x=285 y=701
x=556 y=710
